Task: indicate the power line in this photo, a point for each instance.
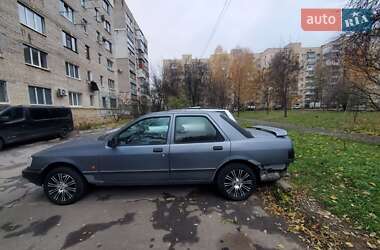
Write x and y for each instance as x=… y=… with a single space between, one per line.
x=220 y=17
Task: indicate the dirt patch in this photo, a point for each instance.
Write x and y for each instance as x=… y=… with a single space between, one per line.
x=313 y=224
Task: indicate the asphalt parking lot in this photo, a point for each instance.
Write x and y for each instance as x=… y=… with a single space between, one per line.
x=155 y=217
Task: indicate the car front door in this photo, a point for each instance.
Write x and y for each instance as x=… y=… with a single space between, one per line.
x=198 y=148
x=141 y=154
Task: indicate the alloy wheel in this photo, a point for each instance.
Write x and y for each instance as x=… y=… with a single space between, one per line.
x=238 y=183
x=61 y=187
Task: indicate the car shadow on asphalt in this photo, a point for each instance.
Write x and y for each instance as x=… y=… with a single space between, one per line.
x=149 y=192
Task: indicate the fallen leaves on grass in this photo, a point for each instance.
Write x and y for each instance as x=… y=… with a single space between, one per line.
x=315 y=226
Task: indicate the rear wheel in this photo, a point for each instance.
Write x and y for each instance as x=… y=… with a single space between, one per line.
x=236 y=181
x=64 y=186
x=64 y=133
x=1 y=144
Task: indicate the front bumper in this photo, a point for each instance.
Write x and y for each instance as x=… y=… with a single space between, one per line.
x=34 y=176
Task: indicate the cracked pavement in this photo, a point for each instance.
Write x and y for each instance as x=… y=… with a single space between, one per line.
x=154 y=217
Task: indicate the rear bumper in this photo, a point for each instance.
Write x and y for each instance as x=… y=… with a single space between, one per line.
x=34 y=176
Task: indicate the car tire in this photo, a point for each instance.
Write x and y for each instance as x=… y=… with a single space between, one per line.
x=1 y=144
x=236 y=181
x=64 y=133
x=64 y=186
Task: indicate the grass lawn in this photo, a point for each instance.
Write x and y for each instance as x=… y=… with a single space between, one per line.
x=343 y=175
x=366 y=123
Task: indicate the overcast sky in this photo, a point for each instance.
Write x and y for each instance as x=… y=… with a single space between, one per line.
x=176 y=27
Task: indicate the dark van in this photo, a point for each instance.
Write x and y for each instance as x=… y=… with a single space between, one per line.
x=23 y=123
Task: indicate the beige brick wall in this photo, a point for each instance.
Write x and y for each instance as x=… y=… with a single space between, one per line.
x=83 y=116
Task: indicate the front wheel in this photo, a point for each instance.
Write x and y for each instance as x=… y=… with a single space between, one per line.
x=64 y=186
x=236 y=181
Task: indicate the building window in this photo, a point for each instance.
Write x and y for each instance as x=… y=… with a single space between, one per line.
x=72 y=70
x=107 y=7
x=97 y=15
x=107 y=26
x=109 y=65
x=92 y=100
x=35 y=57
x=131 y=53
x=111 y=84
x=69 y=41
x=113 y=103
x=31 y=19
x=84 y=23
x=66 y=11
x=87 y=52
x=98 y=37
x=89 y=75
x=104 y=102
x=99 y=58
x=132 y=64
x=3 y=91
x=101 y=80
x=75 y=98
x=38 y=95
x=133 y=89
x=107 y=45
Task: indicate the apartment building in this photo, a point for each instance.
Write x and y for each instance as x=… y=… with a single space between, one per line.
x=175 y=69
x=64 y=47
x=63 y=53
x=305 y=94
x=131 y=55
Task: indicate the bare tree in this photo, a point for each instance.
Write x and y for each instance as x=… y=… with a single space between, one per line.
x=195 y=82
x=172 y=83
x=157 y=93
x=362 y=55
x=284 y=70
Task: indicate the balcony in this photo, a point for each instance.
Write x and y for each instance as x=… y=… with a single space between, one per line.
x=141 y=73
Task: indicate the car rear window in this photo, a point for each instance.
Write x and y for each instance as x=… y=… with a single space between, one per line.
x=236 y=126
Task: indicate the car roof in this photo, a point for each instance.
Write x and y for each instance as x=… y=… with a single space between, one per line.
x=181 y=111
x=199 y=109
x=39 y=106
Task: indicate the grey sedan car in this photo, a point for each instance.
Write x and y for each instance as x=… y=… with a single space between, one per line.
x=172 y=147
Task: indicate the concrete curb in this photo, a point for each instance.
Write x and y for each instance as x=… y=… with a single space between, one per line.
x=284 y=185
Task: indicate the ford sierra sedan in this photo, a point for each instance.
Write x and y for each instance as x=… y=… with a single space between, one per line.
x=171 y=147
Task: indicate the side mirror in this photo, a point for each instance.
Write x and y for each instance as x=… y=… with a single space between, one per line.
x=112 y=143
x=4 y=119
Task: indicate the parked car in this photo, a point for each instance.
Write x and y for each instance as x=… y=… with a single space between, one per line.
x=23 y=123
x=172 y=147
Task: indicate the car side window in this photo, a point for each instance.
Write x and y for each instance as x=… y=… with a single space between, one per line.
x=195 y=129
x=150 y=131
x=14 y=114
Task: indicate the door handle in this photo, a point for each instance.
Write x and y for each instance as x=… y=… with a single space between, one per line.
x=157 y=150
x=217 y=147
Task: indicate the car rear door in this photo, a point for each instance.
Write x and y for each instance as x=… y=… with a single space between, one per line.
x=141 y=156
x=41 y=123
x=198 y=148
